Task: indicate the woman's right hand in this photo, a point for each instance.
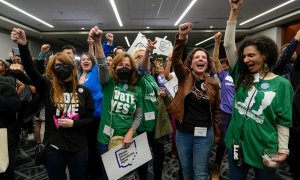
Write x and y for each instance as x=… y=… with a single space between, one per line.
x=184 y=29
x=18 y=36
x=236 y=4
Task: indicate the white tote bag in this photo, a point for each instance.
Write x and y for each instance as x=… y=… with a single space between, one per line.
x=4 y=161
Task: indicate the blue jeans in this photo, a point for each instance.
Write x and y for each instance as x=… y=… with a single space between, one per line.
x=240 y=173
x=57 y=161
x=194 y=154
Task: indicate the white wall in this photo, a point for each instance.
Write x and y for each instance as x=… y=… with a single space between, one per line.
x=6 y=45
x=273 y=33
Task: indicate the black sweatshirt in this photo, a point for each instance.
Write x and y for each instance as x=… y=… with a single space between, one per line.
x=68 y=139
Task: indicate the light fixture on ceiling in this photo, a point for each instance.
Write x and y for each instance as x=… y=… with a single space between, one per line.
x=185 y=12
x=267 y=12
x=204 y=41
x=113 y=4
x=148 y=27
x=26 y=13
x=126 y=39
x=82 y=28
x=211 y=27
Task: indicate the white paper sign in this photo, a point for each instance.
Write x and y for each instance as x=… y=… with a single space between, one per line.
x=120 y=161
x=163 y=47
x=139 y=42
x=172 y=85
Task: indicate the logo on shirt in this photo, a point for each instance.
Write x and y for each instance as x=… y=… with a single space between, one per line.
x=256 y=105
x=121 y=102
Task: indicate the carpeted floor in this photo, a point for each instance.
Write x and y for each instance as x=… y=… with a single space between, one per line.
x=27 y=170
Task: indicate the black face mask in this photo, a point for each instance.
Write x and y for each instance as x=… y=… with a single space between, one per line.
x=124 y=74
x=63 y=72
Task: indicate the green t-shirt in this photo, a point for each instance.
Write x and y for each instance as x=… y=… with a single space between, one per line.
x=149 y=103
x=119 y=105
x=270 y=105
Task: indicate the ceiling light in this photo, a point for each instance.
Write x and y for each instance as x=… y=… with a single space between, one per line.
x=147 y=27
x=267 y=12
x=204 y=41
x=26 y=13
x=185 y=12
x=113 y=4
x=211 y=27
x=126 y=39
x=83 y=28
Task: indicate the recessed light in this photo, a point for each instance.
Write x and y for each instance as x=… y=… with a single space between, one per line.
x=211 y=27
x=147 y=27
x=83 y=28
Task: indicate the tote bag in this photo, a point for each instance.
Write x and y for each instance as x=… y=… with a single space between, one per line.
x=4 y=161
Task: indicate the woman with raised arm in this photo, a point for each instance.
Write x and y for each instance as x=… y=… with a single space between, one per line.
x=227 y=95
x=69 y=109
x=121 y=112
x=261 y=117
x=89 y=77
x=197 y=107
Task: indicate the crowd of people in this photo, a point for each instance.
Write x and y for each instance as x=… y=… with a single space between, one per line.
x=247 y=105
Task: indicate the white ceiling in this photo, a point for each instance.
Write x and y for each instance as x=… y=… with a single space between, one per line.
x=69 y=16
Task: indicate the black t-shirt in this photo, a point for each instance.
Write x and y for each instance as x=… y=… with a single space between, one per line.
x=196 y=109
x=67 y=139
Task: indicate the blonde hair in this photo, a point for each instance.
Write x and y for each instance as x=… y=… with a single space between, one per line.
x=58 y=87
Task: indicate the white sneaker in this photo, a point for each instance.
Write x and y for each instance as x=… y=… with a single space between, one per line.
x=30 y=137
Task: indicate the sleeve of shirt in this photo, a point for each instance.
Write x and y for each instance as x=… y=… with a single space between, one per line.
x=108 y=49
x=284 y=96
x=278 y=67
x=137 y=119
x=229 y=43
x=222 y=75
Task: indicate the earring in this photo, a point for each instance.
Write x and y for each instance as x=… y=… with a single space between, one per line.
x=266 y=67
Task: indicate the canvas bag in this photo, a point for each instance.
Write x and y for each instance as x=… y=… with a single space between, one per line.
x=4 y=161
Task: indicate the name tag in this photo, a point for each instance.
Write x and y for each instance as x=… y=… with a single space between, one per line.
x=149 y=116
x=200 y=131
x=108 y=130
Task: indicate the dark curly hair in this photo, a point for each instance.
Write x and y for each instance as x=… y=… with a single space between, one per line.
x=266 y=46
x=190 y=56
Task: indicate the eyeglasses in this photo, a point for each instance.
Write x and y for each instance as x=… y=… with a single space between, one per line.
x=59 y=65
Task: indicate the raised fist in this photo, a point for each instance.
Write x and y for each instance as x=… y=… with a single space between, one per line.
x=90 y=40
x=18 y=36
x=236 y=4
x=96 y=33
x=184 y=29
x=109 y=36
x=45 y=48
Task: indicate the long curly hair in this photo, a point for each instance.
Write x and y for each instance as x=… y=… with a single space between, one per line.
x=191 y=54
x=112 y=68
x=267 y=48
x=57 y=86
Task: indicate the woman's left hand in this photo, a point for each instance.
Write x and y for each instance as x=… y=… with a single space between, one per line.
x=65 y=123
x=128 y=138
x=278 y=159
